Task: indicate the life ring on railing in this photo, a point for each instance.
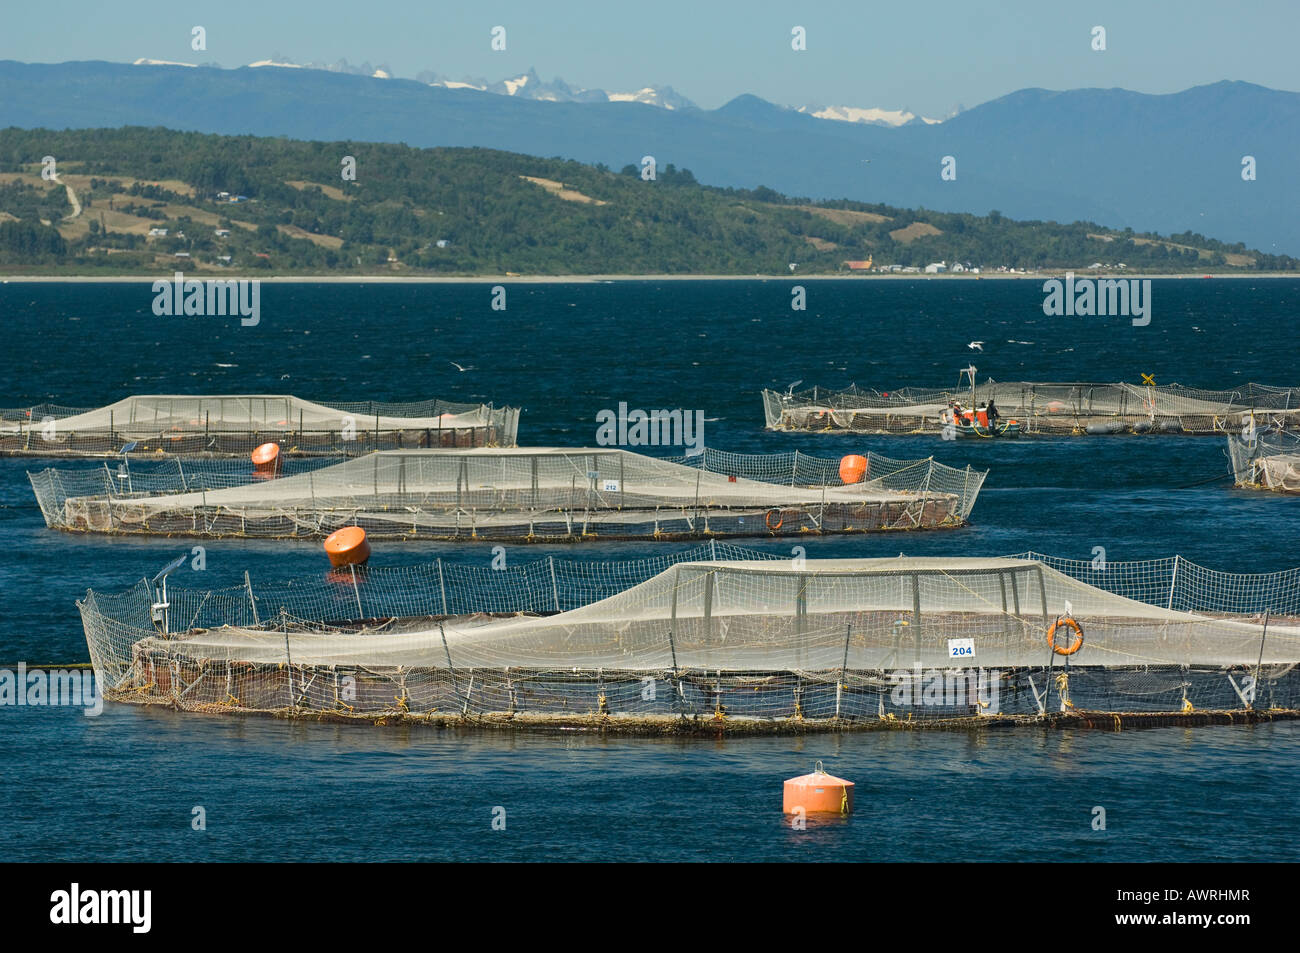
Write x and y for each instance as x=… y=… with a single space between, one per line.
x=1075 y=644
x=768 y=520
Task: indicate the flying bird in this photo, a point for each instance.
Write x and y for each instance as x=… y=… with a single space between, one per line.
x=976 y=345
x=459 y=368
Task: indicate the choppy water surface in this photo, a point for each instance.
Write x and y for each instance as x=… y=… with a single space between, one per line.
x=122 y=786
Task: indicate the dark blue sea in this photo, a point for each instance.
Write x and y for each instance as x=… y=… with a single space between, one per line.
x=123 y=786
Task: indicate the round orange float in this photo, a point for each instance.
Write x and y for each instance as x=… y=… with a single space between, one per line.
x=853 y=468
x=347 y=547
x=818 y=793
x=266 y=458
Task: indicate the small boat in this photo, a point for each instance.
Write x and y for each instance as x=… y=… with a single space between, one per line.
x=978 y=424
x=995 y=428
x=983 y=421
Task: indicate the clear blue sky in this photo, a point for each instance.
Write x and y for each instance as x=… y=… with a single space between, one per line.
x=928 y=55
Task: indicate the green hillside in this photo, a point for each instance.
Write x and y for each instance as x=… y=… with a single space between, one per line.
x=477 y=211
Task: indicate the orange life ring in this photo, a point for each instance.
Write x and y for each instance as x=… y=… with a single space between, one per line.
x=768 y=520
x=1075 y=644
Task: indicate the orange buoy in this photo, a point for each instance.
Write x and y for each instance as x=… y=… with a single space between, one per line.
x=266 y=458
x=1056 y=407
x=818 y=793
x=853 y=468
x=347 y=547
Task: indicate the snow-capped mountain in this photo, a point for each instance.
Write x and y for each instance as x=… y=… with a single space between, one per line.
x=873 y=116
x=530 y=86
x=382 y=71
x=145 y=61
x=664 y=96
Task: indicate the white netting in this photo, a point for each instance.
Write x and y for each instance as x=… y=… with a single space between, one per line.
x=518 y=494
x=1266 y=461
x=767 y=638
x=743 y=616
x=238 y=423
x=1071 y=408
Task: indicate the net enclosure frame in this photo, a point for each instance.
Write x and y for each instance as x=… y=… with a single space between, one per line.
x=518 y=494
x=716 y=638
x=235 y=424
x=1266 y=461
x=1073 y=409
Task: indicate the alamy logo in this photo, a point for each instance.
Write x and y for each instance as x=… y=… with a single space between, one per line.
x=655 y=428
x=1100 y=297
x=55 y=687
x=72 y=906
x=947 y=688
x=212 y=297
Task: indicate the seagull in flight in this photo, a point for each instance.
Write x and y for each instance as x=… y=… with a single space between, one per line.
x=790 y=393
x=459 y=368
x=976 y=345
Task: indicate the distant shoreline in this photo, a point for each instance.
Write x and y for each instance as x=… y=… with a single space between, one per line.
x=594 y=279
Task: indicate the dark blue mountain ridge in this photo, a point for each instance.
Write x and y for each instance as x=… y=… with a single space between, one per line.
x=1168 y=162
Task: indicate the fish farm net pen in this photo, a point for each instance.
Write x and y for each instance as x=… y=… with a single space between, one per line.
x=1266 y=460
x=235 y=425
x=721 y=638
x=1039 y=408
x=519 y=494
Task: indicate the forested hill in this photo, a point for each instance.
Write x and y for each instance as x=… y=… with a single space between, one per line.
x=152 y=201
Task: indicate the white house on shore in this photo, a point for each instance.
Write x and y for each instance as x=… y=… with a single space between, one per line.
x=936 y=268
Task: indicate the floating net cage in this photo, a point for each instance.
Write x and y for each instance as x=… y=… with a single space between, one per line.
x=718 y=638
x=1069 y=409
x=235 y=425
x=524 y=495
x=1266 y=461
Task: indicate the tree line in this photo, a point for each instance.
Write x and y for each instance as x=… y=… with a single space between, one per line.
x=466 y=211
